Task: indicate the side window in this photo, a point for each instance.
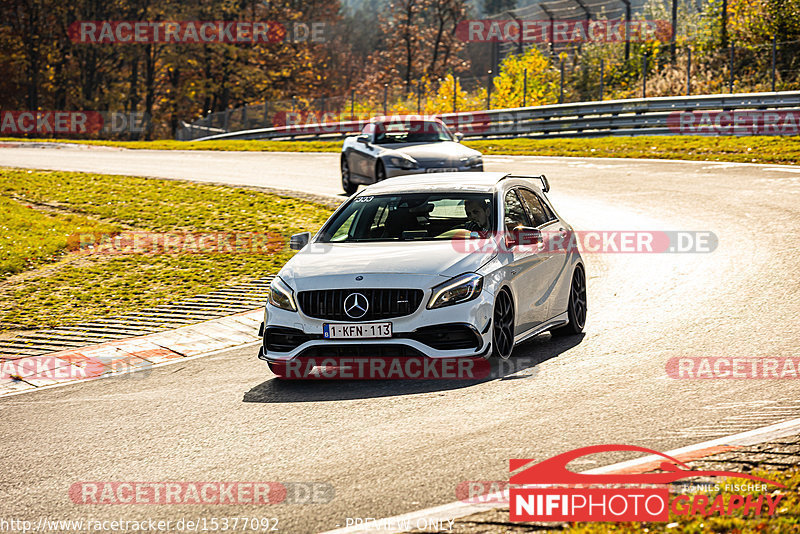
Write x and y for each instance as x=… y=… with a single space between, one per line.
x=515 y=212
x=538 y=211
x=344 y=230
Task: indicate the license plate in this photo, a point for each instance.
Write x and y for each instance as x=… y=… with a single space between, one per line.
x=356 y=330
x=443 y=169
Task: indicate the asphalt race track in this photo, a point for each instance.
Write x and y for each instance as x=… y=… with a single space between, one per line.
x=391 y=447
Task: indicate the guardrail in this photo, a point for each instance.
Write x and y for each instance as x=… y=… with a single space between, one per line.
x=641 y=116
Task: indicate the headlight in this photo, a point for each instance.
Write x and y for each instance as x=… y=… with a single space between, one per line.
x=456 y=290
x=402 y=162
x=281 y=295
x=474 y=161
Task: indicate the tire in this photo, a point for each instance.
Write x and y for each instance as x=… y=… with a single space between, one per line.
x=347 y=184
x=380 y=172
x=576 y=310
x=503 y=326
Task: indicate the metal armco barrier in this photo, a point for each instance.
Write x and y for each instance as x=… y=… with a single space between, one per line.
x=641 y=116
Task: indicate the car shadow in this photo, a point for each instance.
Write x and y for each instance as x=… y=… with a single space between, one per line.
x=522 y=365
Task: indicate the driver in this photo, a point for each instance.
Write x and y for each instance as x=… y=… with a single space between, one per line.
x=478 y=214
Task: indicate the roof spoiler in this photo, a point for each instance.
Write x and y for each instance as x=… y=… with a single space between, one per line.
x=541 y=177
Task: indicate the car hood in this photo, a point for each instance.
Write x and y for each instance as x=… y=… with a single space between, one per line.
x=433 y=260
x=445 y=150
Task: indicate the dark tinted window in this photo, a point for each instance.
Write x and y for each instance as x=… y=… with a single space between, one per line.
x=515 y=212
x=536 y=208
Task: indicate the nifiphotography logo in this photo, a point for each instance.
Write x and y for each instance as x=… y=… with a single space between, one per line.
x=547 y=491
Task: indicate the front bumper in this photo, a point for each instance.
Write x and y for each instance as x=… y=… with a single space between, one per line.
x=425 y=332
x=392 y=172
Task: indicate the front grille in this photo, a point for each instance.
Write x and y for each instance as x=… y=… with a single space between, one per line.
x=383 y=303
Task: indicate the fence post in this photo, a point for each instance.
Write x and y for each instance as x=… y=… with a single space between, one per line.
x=419 y=98
x=352 y=104
x=385 y=98
x=226 y=119
x=489 y=91
x=266 y=113
x=561 y=92
x=602 y=70
x=524 y=87
x=294 y=103
x=774 y=46
x=674 y=36
x=730 y=85
x=627 y=29
x=688 y=71
x=455 y=91
x=644 y=76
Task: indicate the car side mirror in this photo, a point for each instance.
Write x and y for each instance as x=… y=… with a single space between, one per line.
x=363 y=139
x=298 y=241
x=459 y=136
x=523 y=236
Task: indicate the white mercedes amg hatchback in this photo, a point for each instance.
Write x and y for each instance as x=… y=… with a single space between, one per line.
x=449 y=266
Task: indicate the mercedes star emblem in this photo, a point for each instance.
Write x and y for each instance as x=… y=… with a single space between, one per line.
x=356 y=305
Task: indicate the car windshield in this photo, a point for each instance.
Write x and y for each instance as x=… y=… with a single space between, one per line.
x=411 y=132
x=412 y=217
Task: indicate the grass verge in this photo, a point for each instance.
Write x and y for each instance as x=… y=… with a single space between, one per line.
x=744 y=149
x=72 y=286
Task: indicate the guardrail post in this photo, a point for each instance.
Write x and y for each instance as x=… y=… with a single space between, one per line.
x=644 y=76
x=561 y=92
x=730 y=85
x=688 y=71
x=774 y=47
x=602 y=69
x=524 y=87
x=266 y=113
x=226 y=119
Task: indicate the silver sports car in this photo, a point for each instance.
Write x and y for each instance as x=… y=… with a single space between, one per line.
x=398 y=145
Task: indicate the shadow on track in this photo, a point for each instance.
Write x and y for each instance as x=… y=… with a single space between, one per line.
x=521 y=365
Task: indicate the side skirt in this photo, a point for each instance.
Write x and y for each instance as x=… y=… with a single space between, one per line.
x=558 y=320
